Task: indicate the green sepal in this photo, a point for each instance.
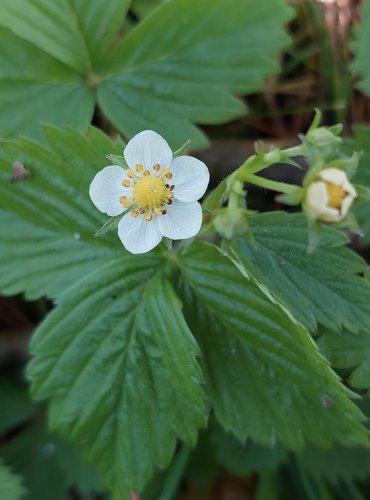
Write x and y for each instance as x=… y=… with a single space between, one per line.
x=181 y=150
x=314 y=229
x=292 y=199
x=110 y=225
x=363 y=193
x=118 y=160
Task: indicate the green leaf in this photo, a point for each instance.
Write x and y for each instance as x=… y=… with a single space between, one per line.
x=246 y=458
x=361 y=49
x=361 y=143
x=16 y=406
x=161 y=72
x=36 y=88
x=49 y=465
x=48 y=221
x=265 y=378
x=11 y=487
x=59 y=58
x=337 y=464
x=349 y=351
x=319 y=288
x=119 y=364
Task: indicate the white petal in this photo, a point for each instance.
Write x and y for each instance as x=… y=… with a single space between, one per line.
x=317 y=198
x=148 y=148
x=182 y=220
x=190 y=177
x=106 y=189
x=137 y=234
x=346 y=204
x=333 y=175
x=348 y=188
x=330 y=215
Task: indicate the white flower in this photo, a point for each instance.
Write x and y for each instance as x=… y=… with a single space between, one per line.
x=331 y=196
x=160 y=192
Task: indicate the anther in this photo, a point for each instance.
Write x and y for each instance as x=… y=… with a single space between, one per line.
x=126 y=183
x=169 y=202
x=123 y=199
x=164 y=212
x=139 y=167
x=170 y=195
x=164 y=172
x=134 y=213
x=156 y=167
x=168 y=186
x=172 y=187
x=148 y=217
x=146 y=173
x=141 y=211
x=168 y=175
x=130 y=174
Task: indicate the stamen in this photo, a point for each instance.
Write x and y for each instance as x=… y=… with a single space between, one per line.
x=134 y=213
x=170 y=195
x=127 y=204
x=148 y=217
x=130 y=173
x=146 y=173
x=168 y=175
x=126 y=183
x=172 y=187
x=168 y=186
x=164 y=172
x=156 y=167
x=164 y=212
x=141 y=211
x=139 y=167
x=123 y=199
x=169 y=202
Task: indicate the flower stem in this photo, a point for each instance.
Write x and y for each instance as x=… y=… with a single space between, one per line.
x=280 y=187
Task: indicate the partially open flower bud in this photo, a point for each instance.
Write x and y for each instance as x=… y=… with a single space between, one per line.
x=330 y=196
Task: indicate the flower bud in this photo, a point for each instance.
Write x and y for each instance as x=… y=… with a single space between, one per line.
x=330 y=196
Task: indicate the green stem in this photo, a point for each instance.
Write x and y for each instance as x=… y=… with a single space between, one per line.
x=280 y=187
x=175 y=474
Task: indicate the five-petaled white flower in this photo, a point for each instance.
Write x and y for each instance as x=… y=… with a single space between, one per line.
x=330 y=197
x=160 y=192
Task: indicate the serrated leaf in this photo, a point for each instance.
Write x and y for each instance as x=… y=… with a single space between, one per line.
x=49 y=465
x=361 y=49
x=11 y=487
x=182 y=65
x=48 y=222
x=164 y=66
x=245 y=458
x=349 y=351
x=273 y=385
x=34 y=88
x=319 y=288
x=337 y=464
x=119 y=364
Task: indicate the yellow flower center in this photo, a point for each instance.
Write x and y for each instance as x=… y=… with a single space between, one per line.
x=336 y=195
x=150 y=193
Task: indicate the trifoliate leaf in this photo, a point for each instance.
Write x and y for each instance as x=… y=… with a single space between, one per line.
x=164 y=80
x=11 y=487
x=118 y=363
x=179 y=66
x=319 y=288
x=349 y=351
x=265 y=378
x=48 y=222
x=361 y=48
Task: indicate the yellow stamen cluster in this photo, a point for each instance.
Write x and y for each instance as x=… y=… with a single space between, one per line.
x=150 y=192
x=336 y=195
